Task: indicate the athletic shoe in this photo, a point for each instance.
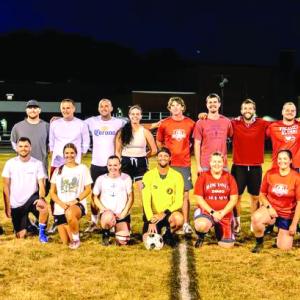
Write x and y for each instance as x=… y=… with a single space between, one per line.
x=257 y=248
x=43 y=238
x=199 y=243
x=187 y=229
x=1 y=230
x=91 y=228
x=53 y=229
x=74 y=245
x=105 y=240
x=269 y=229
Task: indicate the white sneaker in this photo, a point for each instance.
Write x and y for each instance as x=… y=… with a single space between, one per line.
x=91 y=228
x=187 y=228
x=74 y=245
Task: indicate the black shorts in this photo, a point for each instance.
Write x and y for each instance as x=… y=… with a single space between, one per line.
x=19 y=215
x=135 y=167
x=163 y=223
x=127 y=219
x=247 y=176
x=97 y=171
x=61 y=219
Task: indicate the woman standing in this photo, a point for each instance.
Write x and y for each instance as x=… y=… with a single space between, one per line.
x=279 y=196
x=70 y=186
x=217 y=194
x=131 y=145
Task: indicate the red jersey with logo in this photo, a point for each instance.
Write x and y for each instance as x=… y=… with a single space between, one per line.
x=282 y=192
x=285 y=137
x=216 y=192
x=249 y=141
x=175 y=135
x=213 y=136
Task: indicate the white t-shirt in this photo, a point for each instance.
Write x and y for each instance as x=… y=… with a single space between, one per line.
x=63 y=132
x=103 y=134
x=70 y=184
x=24 y=177
x=113 y=191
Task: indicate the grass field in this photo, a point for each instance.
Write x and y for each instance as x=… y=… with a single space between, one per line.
x=29 y=270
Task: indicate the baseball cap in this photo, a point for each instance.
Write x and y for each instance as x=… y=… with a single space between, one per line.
x=32 y=103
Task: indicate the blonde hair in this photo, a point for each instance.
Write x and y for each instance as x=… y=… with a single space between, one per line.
x=178 y=100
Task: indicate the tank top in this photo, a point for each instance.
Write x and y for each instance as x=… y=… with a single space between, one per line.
x=137 y=146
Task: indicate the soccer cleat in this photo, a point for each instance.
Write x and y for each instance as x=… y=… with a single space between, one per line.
x=257 y=248
x=105 y=240
x=43 y=238
x=74 y=245
x=199 y=243
x=53 y=229
x=187 y=229
x=269 y=229
x=91 y=228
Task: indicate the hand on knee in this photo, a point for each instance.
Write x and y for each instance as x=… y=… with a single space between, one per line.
x=108 y=219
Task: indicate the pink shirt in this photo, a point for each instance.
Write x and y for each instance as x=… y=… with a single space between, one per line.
x=213 y=135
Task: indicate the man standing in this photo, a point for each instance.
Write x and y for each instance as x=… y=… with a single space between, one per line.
x=163 y=198
x=211 y=134
x=24 y=190
x=67 y=129
x=36 y=130
x=246 y=169
x=103 y=129
x=285 y=134
x=175 y=134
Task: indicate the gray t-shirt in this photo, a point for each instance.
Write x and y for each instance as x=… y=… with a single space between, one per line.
x=38 y=135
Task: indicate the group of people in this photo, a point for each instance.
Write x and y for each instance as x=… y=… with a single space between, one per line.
x=120 y=155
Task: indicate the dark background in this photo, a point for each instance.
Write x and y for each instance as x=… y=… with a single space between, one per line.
x=88 y=50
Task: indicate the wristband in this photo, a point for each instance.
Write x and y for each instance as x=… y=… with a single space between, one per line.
x=78 y=200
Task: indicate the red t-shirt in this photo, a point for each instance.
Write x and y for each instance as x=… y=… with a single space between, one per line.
x=175 y=135
x=285 y=137
x=249 y=142
x=216 y=192
x=283 y=192
x=213 y=136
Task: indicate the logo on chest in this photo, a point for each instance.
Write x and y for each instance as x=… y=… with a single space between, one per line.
x=280 y=190
x=178 y=134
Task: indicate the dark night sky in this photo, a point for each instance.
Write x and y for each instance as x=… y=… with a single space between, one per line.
x=220 y=32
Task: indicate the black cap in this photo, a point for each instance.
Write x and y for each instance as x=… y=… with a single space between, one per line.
x=32 y=103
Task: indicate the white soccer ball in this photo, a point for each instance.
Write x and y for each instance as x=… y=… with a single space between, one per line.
x=153 y=241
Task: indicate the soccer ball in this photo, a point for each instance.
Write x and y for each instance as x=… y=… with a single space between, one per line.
x=153 y=241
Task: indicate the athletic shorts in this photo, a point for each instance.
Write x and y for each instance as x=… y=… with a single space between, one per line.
x=223 y=229
x=97 y=171
x=19 y=215
x=187 y=177
x=61 y=219
x=163 y=223
x=283 y=223
x=247 y=176
x=135 y=167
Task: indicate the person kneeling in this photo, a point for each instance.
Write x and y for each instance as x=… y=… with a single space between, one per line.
x=24 y=190
x=113 y=196
x=217 y=194
x=162 y=197
x=280 y=199
x=70 y=186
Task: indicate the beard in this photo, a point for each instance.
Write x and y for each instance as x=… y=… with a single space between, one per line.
x=248 y=116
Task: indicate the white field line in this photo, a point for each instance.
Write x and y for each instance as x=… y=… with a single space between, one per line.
x=183 y=272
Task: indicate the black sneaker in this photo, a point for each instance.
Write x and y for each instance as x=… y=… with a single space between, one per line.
x=257 y=248
x=105 y=238
x=269 y=229
x=199 y=243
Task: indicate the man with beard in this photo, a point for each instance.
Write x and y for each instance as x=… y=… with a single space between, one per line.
x=246 y=169
x=163 y=198
x=285 y=134
x=36 y=130
x=211 y=134
x=24 y=190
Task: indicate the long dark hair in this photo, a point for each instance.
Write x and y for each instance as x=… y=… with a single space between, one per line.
x=126 y=133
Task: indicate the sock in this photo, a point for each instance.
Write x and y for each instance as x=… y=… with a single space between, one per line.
x=260 y=240
x=42 y=228
x=94 y=218
x=75 y=236
x=201 y=235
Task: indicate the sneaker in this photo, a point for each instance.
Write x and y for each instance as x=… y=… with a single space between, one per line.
x=257 y=248
x=187 y=228
x=91 y=228
x=105 y=240
x=43 y=238
x=53 y=229
x=199 y=243
x=74 y=245
x=269 y=229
